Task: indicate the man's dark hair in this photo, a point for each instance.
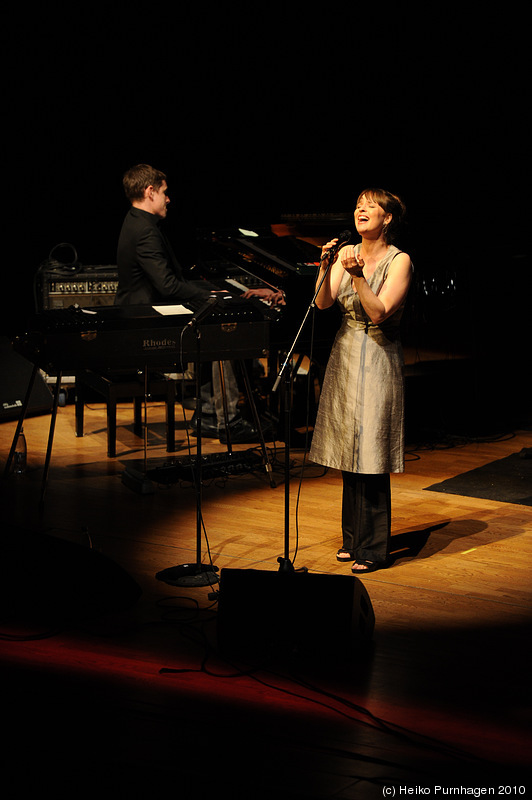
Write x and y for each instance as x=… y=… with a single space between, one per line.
x=137 y=179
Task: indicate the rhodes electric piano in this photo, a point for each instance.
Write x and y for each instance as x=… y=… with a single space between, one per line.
x=140 y=338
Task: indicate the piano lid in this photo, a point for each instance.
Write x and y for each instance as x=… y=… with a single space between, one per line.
x=280 y=259
x=276 y=255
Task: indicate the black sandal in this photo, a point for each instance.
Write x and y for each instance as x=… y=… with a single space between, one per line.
x=370 y=566
x=348 y=555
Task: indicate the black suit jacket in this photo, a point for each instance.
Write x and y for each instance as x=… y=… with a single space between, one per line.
x=148 y=271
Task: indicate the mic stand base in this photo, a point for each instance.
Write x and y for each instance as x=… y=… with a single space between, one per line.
x=285 y=565
x=189 y=575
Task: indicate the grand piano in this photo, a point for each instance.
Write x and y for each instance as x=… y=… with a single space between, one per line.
x=283 y=256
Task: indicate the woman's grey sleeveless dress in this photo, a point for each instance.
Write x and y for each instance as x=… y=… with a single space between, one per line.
x=360 y=420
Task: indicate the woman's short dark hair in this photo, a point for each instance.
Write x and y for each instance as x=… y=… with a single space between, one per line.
x=391 y=204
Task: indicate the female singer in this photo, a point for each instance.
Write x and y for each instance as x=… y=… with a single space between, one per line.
x=360 y=422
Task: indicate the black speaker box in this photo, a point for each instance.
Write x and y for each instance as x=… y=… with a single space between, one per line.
x=52 y=581
x=15 y=374
x=301 y=615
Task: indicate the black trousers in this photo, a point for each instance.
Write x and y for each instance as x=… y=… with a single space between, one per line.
x=366 y=515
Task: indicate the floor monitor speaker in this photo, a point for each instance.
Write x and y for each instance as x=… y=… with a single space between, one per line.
x=263 y=614
x=53 y=581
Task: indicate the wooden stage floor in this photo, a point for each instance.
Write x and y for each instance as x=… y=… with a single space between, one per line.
x=135 y=692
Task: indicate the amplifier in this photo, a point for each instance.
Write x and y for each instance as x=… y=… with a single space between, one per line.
x=87 y=287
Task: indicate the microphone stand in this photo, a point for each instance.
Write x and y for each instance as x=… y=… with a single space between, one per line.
x=284 y=561
x=195 y=574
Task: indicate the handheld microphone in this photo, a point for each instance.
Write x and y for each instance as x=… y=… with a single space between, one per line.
x=202 y=312
x=332 y=252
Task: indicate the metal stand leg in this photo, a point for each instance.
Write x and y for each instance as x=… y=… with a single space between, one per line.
x=224 y=403
x=51 y=436
x=21 y=420
x=256 y=419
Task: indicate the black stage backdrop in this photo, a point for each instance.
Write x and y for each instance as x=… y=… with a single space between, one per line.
x=257 y=114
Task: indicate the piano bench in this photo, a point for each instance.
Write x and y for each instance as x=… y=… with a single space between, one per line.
x=115 y=387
